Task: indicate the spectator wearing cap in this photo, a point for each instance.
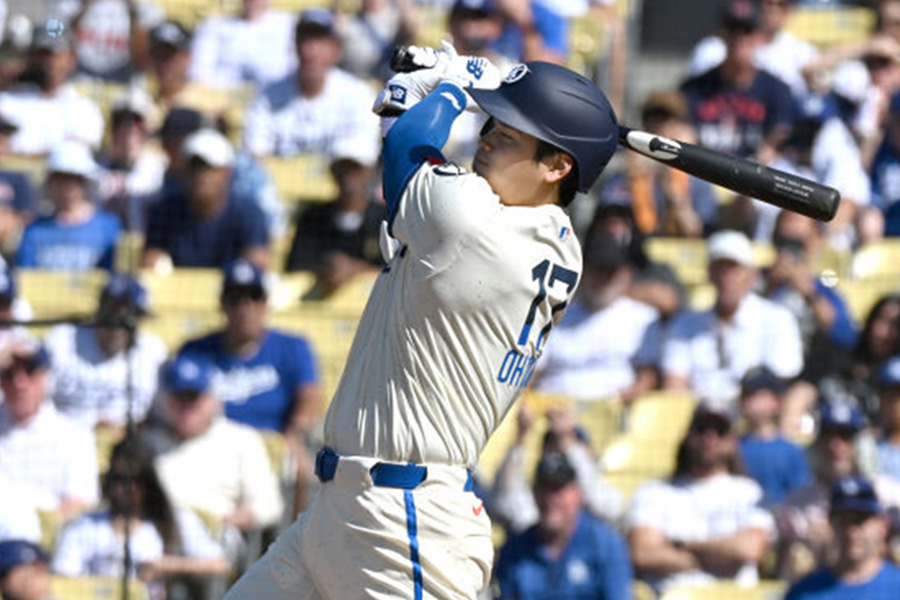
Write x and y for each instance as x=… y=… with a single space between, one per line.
x=569 y=553
x=664 y=201
x=110 y=36
x=708 y=352
x=884 y=173
x=170 y=58
x=52 y=456
x=206 y=225
x=92 y=364
x=778 y=465
x=206 y=462
x=269 y=379
x=18 y=513
x=47 y=108
x=805 y=535
x=889 y=400
x=338 y=240
x=250 y=48
x=76 y=235
x=861 y=531
x=782 y=53
x=318 y=106
x=24 y=571
x=131 y=174
x=607 y=345
x=704 y=524
x=737 y=107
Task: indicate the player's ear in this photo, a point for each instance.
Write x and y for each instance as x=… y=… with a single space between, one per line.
x=559 y=165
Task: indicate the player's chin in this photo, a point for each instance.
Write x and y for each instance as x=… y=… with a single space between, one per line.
x=479 y=166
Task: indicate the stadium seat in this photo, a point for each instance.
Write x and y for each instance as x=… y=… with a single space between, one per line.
x=687 y=256
x=876 y=260
x=34 y=167
x=183 y=290
x=660 y=415
x=175 y=327
x=601 y=420
x=60 y=293
x=643 y=457
x=106 y=438
x=829 y=26
x=95 y=588
x=642 y=591
x=305 y=178
x=290 y=289
x=765 y=590
x=51 y=526
x=701 y=296
x=128 y=251
x=861 y=295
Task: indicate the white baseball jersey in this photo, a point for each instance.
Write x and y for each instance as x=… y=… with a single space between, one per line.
x=454 y=323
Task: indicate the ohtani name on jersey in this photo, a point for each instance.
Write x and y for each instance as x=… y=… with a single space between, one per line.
x=516 y=369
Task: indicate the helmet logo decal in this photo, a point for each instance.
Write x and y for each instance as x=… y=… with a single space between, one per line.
x=516 y=73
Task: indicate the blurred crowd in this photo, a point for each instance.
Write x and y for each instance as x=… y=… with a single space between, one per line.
x=119 y=121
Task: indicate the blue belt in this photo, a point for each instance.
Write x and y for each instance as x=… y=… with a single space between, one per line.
x=391 y=475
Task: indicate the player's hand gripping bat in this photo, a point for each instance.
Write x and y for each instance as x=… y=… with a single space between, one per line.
x=737 y=174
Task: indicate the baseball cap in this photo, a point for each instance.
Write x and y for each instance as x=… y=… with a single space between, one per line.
x=16 y=553
x=361 y=149
x=181 y=122
x=730 y=245
x=662 y=105
x=761 y=378
x=710 y=416
x=889 y=373
x=189 y=373
x=124 y=289
x=172 y=34
x=856 y=494
x=474 y=8
x=52 y=35
x=841 y=416
x=554 y=471
x=73 y=158
x=27 y=350
x=210 y=146
x=242 y=273
x=605 y=252
x=315 y=22
x=134 y=102
x=851 y=81
x=740 y=15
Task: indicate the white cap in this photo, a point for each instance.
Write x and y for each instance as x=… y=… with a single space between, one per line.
x=362 y=149
x=730 y=245
x=74 y=158
x=210 y=146
x=135 y=101
x=851 y=80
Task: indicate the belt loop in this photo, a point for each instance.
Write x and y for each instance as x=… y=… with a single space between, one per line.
x=326 y=464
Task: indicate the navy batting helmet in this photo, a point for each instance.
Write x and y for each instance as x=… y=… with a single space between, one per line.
x=560 y=107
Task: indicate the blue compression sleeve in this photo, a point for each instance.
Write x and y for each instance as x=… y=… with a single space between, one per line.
x=418 y=135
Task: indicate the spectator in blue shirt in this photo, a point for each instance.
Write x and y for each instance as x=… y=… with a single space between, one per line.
x=569 y=554
x=778 y=465
x=77 y=235
x=207 y=224
x=889 y=397
x=861 y=529
x=267 y=379
x=16 y=196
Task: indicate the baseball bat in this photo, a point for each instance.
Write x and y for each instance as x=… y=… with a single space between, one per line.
x=743 y=176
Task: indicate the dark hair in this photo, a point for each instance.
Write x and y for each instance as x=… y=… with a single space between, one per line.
x=156 y=506
x=569 y=185
x=862 y=352
x=684 y=465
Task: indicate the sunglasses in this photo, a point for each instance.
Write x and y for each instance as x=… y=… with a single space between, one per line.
x=234 y=296
x=720 y=428
x=30 y=368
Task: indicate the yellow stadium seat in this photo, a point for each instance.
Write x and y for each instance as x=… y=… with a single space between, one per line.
x=95 y=588
x=830 y=26
x=765 y=590
x=183 y=290
x=687 y=256
x=642 y=591
x=600 y=419
x=60 y=293
x=876 y=260
x=106 y=438
x=128 y=251
x=625 y=482
x=301 y=178
x=51 y=526
x=34 y=167
x=175 y=327
x=701 y=296
x=290 y=289
x=503 y=438
x=861 y=295
x=646 y=457
x=660 y=415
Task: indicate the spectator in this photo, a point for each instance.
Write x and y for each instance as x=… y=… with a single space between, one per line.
x=17 y=201
x=163 y=542
x=18 y=516
x=252 y=48
x=339 y=240
x=708 y=352
x=92 y=364
x=889 y=397
x=13 y=307
x=778 y=465
x=24 y=571
x=207 y=462
x=48 y=109
x=206 y=225
x=665 y=201
x=861 y=570
x=534 y=30
x=131 y=175
x=737 y=107
x=39 y=448
x=805 y=536
x=77 y=235
x=511 y=502
x=316 y=107
x=705 y=523
x=110 y=36
x=782 y=53
x=369 y=36
x=170 y=57
x=607 y=345
x=569 y=553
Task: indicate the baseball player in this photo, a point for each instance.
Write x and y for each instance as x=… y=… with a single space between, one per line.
x=485 y=266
